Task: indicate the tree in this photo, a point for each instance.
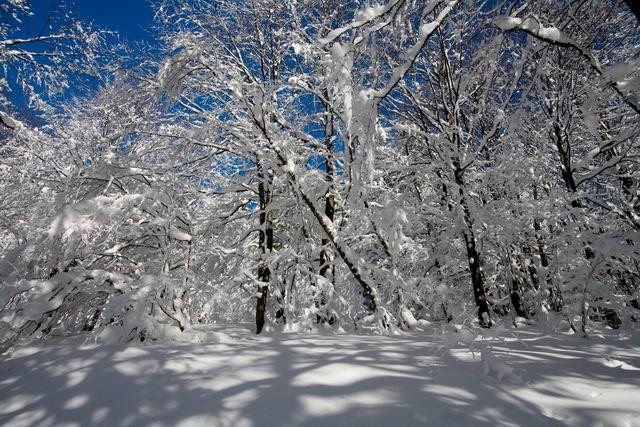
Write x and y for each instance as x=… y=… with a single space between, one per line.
x=337 y=165
x=38 y=67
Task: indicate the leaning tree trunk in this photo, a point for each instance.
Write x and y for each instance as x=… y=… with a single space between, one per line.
x=368 y=292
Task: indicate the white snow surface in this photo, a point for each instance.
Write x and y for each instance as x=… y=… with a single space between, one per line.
x=293 y=379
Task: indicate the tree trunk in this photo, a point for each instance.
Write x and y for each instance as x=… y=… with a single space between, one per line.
x=265 y=242
x=473 y=256
x=368 y=291
x=634 y=6
x=566 y=170
x=326 y=255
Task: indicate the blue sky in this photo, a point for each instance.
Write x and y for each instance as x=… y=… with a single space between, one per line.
x=131 y=18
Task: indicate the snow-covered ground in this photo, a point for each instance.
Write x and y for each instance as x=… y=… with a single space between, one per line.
x=287 y=379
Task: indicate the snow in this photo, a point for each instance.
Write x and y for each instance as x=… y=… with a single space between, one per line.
x=493 y=364
x=114 y=249
x=507 y=23
x=88 y=215
x=8 y=121
x=532 y=26
x=442 y=290
x=290 y=166
x=408 y=318
x=100 y=253
x=180 y=235
x=362 y=17
x=370 y=13
x=292 y=379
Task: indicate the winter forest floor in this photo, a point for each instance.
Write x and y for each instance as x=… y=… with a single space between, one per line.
x=290 y=379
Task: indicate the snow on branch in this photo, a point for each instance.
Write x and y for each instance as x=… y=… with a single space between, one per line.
x=426 y=29
x=531 y=26
x=362 y=18
x=553 y=35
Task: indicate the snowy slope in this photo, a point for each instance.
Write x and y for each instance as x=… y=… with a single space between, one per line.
x=323 y=380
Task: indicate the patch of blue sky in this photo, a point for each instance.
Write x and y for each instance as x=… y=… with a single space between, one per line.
x=206 y=183
x=127 y=142
x=131 y=21
x=317 y=162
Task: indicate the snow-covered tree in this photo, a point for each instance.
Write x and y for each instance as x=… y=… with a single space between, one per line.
x=36 y=67
x=336 y=164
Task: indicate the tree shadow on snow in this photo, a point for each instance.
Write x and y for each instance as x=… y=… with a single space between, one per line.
x=283 y=380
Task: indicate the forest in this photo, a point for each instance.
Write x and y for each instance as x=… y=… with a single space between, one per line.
x=322 y=168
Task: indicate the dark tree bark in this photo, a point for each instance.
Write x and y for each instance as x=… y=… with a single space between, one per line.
x=634 y=6
x=564 y=151
x=281 y=299
x=516 y=289
x=368 y=291
x=473 y=255
x=265 y=242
